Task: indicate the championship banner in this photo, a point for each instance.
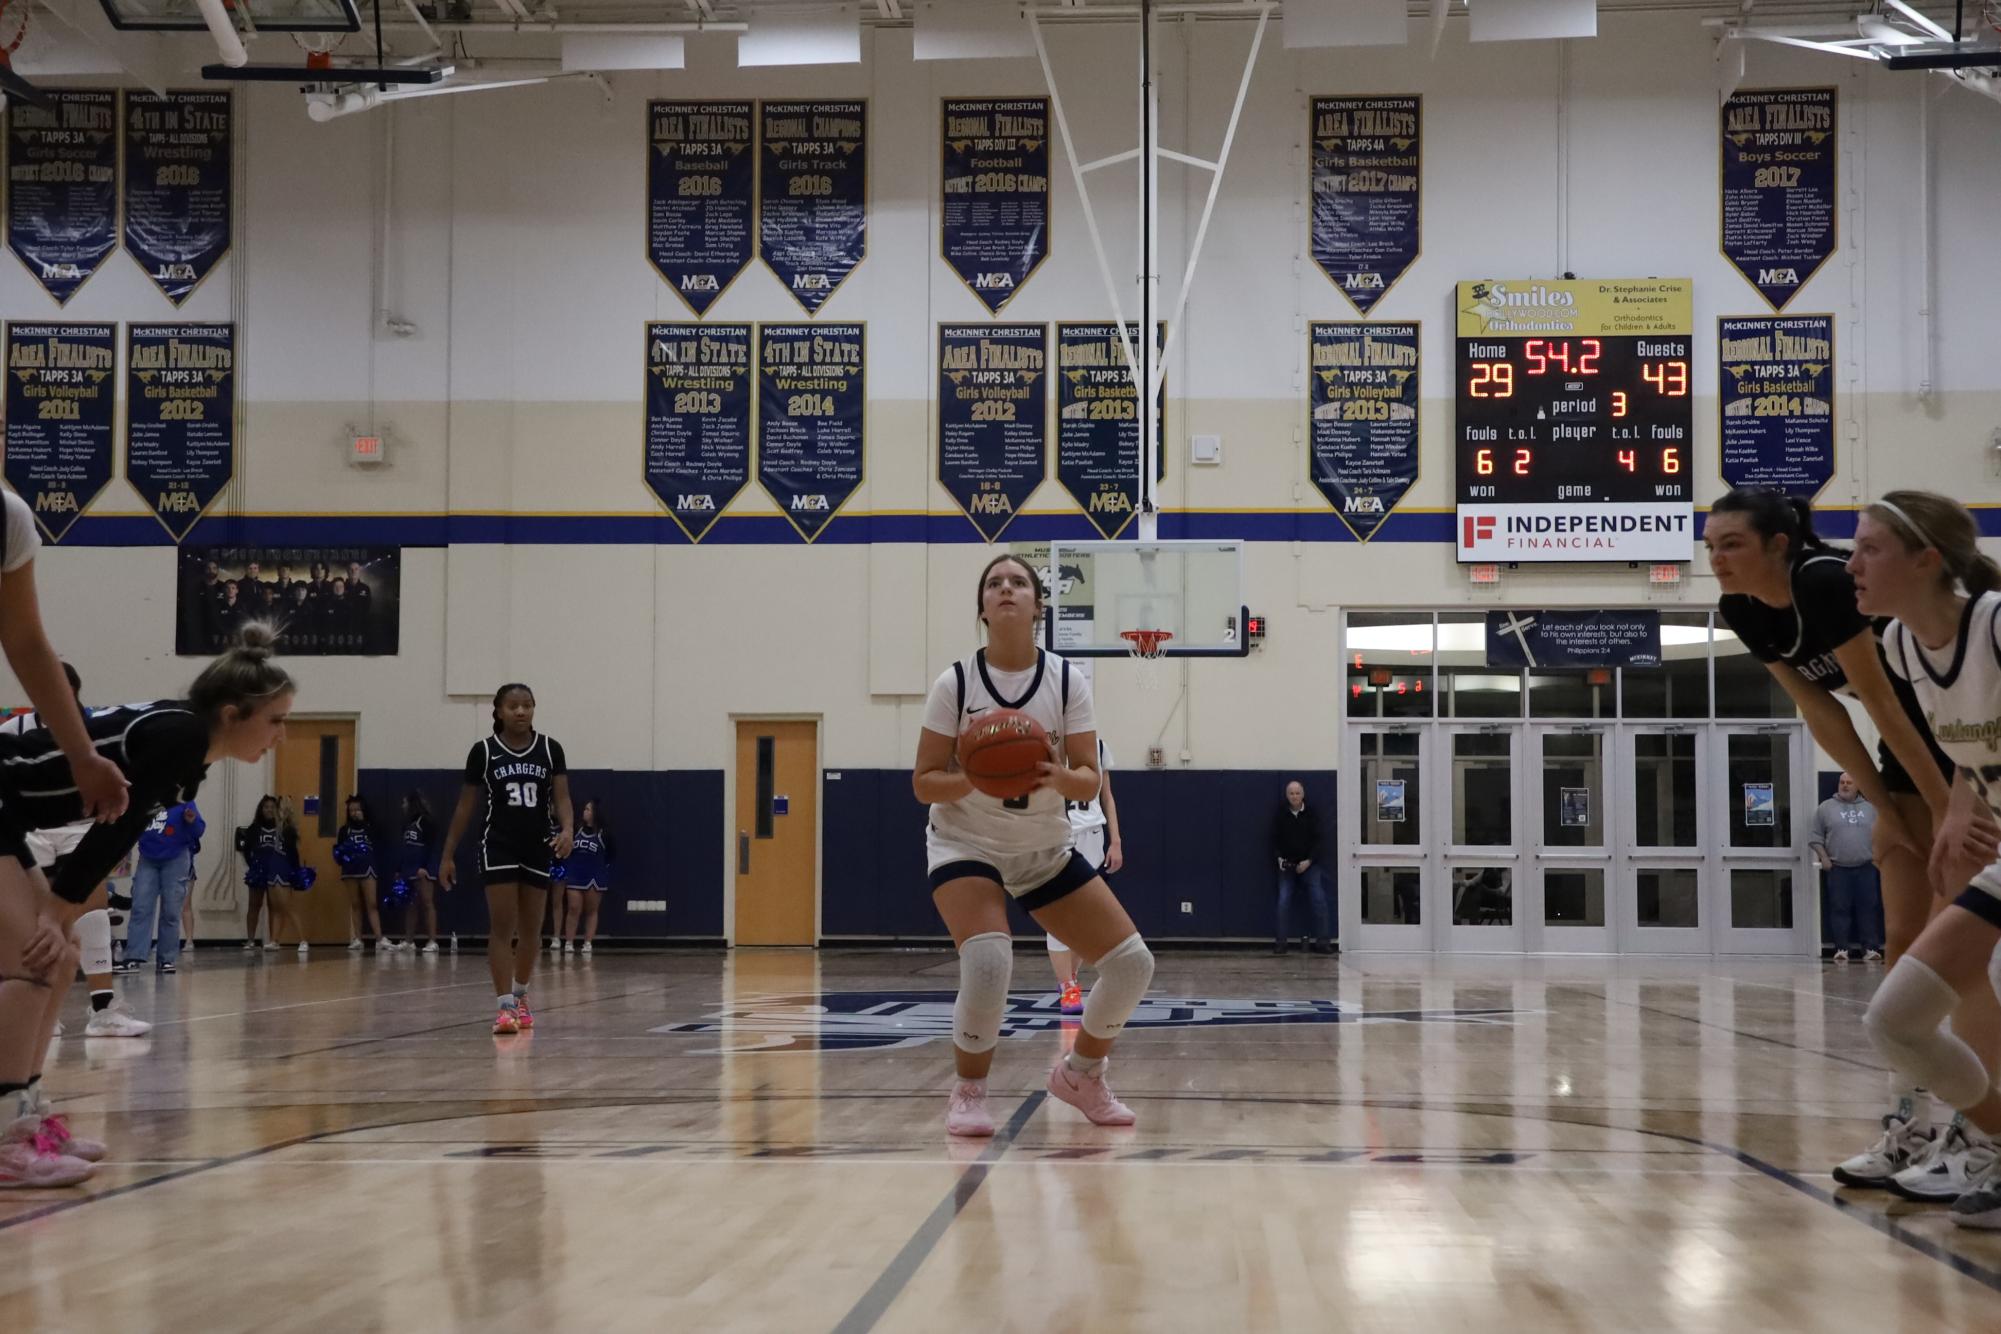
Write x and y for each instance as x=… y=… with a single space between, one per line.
x=177 y=211
x=1779 y=153
x=1367 y=202
x=812 y=219
x=62 y=186
x=60 y=402
x=812 y=395
x=699 y=194
x=1362 y=406
x=993 y=418
x=1777 y=395
x=180 y=417
x=1573 y=639
x=697 y=419
x=994 y=220
x=1097 y=432
x=324 y=601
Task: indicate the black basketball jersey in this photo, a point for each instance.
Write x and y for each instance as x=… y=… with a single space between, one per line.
x=520 y=787
x=161 y=748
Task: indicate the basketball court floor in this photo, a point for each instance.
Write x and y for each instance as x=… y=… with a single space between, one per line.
x=687 y=1141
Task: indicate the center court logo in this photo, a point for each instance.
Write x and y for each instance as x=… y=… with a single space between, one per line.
x=884 y=1020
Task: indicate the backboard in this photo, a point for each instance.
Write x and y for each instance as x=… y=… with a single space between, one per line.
x=267 y=15
x=1194 y=590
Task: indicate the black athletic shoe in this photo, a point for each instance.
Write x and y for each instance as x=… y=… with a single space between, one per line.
x=168 y=968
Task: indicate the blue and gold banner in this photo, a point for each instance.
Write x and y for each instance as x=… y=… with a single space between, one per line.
x=812 y=210
x=180 y=418
x=62 y=186
x=1097 y=431
x=812 y=398
x=700 y=191
x=1365 y=183
x=1362 y=418
x=62 y=385
x=993 y=418
x=994 y=220
x=177 y=211
x=1776 y=387
x=1779 y=155
x=697 y=419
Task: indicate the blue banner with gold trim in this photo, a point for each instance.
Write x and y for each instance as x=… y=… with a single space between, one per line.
x=697 y=419
x=1362 y=418
x=1776 y=388
x=62 y=186
x=177 y=215
x=812 y=211
x=1779 y=167
x=812 y=401
x=993 y=418
x=994 y=218
x=1366 y=187
x=61 y=401
x=180 y=418
x=700 y=190
x=1097 y=422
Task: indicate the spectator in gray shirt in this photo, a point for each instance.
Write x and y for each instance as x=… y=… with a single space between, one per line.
x=1844 y=830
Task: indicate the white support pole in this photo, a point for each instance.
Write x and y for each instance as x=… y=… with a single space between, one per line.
x=1149 y=282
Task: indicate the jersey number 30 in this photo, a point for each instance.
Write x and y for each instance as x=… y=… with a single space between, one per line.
x=524 y=794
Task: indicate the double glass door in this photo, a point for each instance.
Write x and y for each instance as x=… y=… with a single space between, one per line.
x=1588 y=838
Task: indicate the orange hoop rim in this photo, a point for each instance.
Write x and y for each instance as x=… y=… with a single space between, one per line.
x=1146 y=643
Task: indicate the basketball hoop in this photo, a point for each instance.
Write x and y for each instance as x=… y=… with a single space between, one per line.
x=1146 y=651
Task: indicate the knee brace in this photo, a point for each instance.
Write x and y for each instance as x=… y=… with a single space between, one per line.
x=1994 y=970
x=92 y=933
x=986 y=965
x=1123 y=975
x=1904 y=1022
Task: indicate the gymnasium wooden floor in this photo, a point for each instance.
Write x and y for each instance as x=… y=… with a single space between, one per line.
x=1413 y=1145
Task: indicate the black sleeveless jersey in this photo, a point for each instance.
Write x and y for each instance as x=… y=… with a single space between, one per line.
x=520 y=787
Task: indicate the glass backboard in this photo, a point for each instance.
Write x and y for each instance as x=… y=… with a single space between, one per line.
x=1194 y=590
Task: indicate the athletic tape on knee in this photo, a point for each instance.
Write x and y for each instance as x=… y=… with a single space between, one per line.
x=986 y=966
x=1123 y=975
x=93 y=938
x=1905 y=1022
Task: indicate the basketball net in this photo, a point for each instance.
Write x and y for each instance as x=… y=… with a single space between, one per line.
x=1146 y=646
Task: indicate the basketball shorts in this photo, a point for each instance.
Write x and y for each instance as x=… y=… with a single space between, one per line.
x=1032 y=879
x=1897 y=778
x=515 y=858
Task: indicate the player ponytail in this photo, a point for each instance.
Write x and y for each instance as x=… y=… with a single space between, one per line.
x=243 y=678
x=1774 y=513
x=500 y=697
x=1923 y=519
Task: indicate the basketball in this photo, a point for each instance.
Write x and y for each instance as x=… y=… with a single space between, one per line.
x=999 y=752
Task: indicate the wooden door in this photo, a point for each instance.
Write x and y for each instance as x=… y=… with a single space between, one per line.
x=777 y=833
x=314 y=768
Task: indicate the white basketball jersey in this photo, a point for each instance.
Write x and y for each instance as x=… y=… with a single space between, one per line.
x=1086 y=816
x=1038 y=822
x=1960 y=689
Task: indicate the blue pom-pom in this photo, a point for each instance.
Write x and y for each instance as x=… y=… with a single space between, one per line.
x=307 y=875
x=398 y=891
x=560 y=871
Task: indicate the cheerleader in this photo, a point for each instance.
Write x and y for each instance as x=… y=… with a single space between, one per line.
x=354 y=852
x=982 y=851
x=524 y=776
x=413 y=864
x=235 y=710
x=586 y=875
x=269 y=845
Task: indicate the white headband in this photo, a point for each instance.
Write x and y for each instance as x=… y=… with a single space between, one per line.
x=1917 y=529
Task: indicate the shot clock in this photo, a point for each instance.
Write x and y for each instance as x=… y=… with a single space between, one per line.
x=1573 y=420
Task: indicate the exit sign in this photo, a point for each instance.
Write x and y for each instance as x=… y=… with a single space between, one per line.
x=365 y=449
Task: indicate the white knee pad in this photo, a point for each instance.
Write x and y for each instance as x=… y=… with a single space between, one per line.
x=1123 y=975
x=1058 y=947
x=986 y=965
x=1905 y=1023
x=1994 y=970
x=93 y=939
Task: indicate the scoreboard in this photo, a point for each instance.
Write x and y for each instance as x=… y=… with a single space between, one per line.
x=1573 y=420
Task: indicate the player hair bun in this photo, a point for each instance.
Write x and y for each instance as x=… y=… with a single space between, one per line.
x=257 y=640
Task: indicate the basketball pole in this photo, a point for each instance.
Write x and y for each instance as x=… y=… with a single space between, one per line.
x=1144 y=362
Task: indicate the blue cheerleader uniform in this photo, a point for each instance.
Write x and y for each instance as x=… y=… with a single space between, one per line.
x=413 y=854
x=269 y=857
x=354 y=851
x=589 y=864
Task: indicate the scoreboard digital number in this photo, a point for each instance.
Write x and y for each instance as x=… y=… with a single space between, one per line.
x=1573 y=420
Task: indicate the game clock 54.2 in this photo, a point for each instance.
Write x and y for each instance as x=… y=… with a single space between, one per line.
x=1573 y=420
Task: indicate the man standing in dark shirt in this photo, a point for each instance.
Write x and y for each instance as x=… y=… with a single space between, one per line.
x=1296 y=839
